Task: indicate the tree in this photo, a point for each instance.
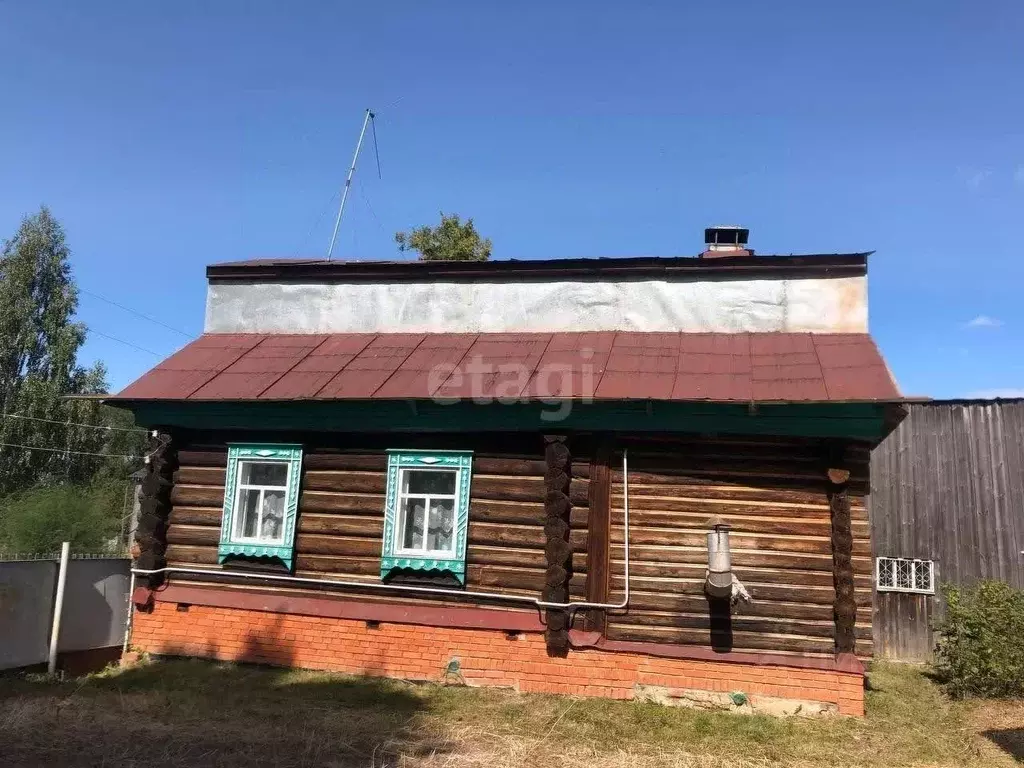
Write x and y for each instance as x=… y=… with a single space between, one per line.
x=451 y=240
x=39 y=343
x=38 y=520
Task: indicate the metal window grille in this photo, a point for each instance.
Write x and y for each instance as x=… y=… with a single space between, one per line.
x=903 y=574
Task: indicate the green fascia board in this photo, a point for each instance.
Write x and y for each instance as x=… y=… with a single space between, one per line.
x=861 y=421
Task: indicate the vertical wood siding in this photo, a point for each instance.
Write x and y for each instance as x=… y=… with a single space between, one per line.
x=947 y=485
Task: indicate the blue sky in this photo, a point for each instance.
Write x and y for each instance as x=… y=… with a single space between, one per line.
x=166 y=136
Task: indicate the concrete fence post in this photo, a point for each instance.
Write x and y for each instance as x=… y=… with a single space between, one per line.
x=58 y=606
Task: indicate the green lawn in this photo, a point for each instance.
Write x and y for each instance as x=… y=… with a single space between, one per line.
x=193 y=713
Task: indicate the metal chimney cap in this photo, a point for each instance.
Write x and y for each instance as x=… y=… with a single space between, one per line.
x=726 y=234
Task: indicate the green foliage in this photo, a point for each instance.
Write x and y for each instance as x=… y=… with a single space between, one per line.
x=451 y=240
x=39 y=343
x=981 y=645
x=38 y=520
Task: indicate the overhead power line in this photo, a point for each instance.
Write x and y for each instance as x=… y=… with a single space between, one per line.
x=72 y=423
x=126 y=343
x=137 y=313
x=64 y=450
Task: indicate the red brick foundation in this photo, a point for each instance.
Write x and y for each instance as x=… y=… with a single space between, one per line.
x=486 y=656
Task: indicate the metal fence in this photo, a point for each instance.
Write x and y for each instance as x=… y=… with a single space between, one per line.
x=94 y=612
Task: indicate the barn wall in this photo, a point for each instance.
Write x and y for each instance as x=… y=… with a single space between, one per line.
x=773 y=494
x=947 y=485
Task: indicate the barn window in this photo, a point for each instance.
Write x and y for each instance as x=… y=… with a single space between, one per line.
x=261 y=497
x=903 y=574
x=426 y=513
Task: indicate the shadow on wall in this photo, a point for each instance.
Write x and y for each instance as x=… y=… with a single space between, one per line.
x=268 y=644
x=720 y=613
x=188 y=712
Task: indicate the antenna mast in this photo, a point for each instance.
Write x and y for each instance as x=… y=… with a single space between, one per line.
x=348 y=181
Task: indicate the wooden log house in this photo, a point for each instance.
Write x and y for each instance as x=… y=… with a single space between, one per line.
x=425 y=471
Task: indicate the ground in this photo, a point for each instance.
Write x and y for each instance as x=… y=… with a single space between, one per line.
x=174 y=714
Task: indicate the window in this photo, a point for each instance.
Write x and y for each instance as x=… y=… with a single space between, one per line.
x=426 y=512
x=901 y=574
x=261 y=497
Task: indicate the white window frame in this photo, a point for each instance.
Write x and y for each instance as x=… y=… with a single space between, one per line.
x=239 y=522
x=403 y=518
x=888 y=565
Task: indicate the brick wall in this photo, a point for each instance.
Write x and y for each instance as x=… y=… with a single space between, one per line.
x=486 y=657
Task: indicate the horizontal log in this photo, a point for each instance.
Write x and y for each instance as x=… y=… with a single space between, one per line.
x=348 y=481
x=341 y=502
x=200 y=475
x=666 y=537
x=524 y=558
x=370 y=461
x=752 y=559
x=191 y=555
x=196 y=515
x=735 y=467
x=342 y=525
x=202 y=535
x=699 y=523
x=753 y=524
x=798 y=484
x=493 y=534
x=646 y=602
x=197 y=496
x=742 y=641
x=203 y=458
x=317 y=544
x=783 y=593
x=820 y=578
x=338 y=566
x=738 y=623
x=688 y=499
x=807 y=458
x=659 y=485
x=513 y=512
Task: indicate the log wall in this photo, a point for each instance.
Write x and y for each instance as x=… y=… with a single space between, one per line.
x=774 y=495
x=341 y=516
x=773 y=492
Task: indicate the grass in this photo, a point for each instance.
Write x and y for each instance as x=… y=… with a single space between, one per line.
x=193 y=713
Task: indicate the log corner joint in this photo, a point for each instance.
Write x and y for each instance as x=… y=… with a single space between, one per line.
x=557 y=549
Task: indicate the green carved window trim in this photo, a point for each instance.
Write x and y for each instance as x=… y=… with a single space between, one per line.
x=291 y=455
x=392 y=558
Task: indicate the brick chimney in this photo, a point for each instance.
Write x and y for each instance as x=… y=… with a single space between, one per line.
x=725 y=241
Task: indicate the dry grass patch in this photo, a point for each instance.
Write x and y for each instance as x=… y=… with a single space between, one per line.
x=191 y=713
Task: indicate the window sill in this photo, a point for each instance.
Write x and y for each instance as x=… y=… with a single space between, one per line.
x=284 y=554
x=393 y=566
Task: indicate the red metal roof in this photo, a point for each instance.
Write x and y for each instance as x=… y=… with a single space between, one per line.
x=744 y=367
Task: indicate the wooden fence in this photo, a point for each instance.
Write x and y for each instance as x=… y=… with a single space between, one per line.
x=947 y=486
